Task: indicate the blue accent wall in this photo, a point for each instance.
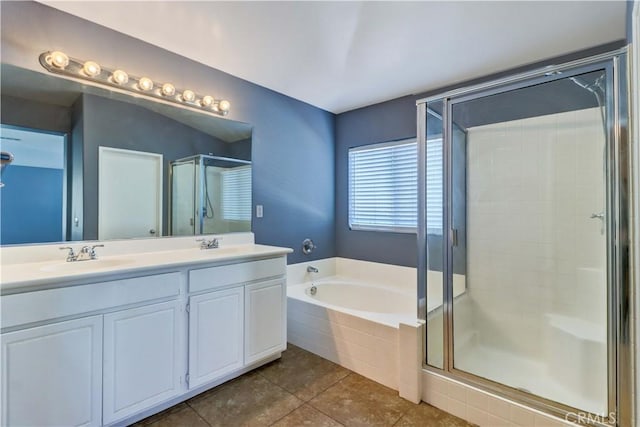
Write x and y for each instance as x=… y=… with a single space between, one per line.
x=31 y=205
x=292 y=141
x=388 y=121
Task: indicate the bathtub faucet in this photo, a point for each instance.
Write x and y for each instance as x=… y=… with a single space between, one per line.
x=312 y=269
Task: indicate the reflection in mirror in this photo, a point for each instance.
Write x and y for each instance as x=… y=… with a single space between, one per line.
x=210 y=195
x=102 y=138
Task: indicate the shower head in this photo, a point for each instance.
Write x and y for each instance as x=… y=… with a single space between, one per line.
x=596 y=87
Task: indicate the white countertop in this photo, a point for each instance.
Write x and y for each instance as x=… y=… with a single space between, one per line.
x=22 y=276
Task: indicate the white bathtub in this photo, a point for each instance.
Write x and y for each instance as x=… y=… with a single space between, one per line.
x=377 y=303
x=354 y=317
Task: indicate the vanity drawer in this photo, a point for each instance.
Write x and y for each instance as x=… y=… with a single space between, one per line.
x=29 y=307
x=225 y=275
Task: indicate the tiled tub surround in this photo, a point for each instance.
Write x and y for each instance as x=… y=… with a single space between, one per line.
x=363 y=317
x=360 y=340
x=537 y=289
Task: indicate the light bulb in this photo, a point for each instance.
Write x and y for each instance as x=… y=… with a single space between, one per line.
x=58 y=59
x=91 y=68
x=188 y=96
x=207 y=101
x=168 y=89
x=145 y=83
x=224 y=106
x=119 y=77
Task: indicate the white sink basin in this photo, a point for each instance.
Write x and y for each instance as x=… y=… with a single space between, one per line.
x=79 y=266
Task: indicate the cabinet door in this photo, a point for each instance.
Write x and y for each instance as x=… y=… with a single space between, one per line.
x=215 y=335
x=265 y=319
x=141 y=359
x=52 y=374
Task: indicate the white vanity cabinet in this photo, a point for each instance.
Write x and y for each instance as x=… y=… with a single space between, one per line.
x=52 y=374
x=241 y=321
x=265 y=319
x=216 y=325
x=142 y=365
x=112 y=351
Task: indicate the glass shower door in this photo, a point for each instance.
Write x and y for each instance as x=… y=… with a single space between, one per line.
x=528 y=219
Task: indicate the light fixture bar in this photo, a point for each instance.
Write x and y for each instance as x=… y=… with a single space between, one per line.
x=59 y=63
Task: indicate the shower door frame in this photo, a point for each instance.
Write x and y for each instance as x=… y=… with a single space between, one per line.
x=618 y=172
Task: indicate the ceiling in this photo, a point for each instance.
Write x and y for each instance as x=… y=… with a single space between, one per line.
x=343 y=55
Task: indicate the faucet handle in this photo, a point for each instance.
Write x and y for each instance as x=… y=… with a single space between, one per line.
x=71 y=256
x=92 y=251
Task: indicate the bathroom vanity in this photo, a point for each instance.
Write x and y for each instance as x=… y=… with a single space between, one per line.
x=112 y=340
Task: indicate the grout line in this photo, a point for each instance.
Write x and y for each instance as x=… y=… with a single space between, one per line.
x=198 y=413
x=324 y=413
x=287 y=414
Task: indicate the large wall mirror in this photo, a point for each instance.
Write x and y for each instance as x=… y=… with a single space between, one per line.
x=90 y=163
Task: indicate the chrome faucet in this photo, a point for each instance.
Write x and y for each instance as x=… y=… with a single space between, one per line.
x=312 y=269
x=209 y=244
x=86 y=253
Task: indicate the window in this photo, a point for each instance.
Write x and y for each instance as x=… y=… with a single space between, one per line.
x=383 y=181
x=236 y=194
x=383 y=187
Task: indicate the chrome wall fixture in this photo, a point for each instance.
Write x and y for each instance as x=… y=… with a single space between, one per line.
x=59 y=63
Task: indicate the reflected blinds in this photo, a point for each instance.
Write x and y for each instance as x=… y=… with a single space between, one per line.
x=236 y=194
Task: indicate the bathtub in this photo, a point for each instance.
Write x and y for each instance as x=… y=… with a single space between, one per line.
x=355 y=316
x=377 y=303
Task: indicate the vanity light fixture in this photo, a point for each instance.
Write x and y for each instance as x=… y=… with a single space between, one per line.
x=58 y=62
x=168 y=89
x=119 y=77
x=207 y=101
x=145 y=83
x=91 y=69
x=188 y=96
x=57 y=59
x=224 y=106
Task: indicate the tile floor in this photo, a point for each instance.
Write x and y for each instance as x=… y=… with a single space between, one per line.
x=301 y=389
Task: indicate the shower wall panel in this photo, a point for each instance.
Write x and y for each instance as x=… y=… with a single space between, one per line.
x=539 y=190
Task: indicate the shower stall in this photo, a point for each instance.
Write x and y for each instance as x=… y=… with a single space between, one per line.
x=523 y=239
x=209 y=195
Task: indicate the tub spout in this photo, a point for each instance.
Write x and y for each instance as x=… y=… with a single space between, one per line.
x=312 y=269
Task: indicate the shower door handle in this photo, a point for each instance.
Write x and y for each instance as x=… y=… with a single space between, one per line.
x=454 y=237
x=599 y=216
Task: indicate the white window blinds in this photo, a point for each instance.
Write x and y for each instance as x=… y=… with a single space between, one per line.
x=434 y=189
x=236 y=194
x=383 y=187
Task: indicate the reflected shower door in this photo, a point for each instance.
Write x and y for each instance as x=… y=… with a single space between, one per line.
x=183 y=203
x=528 y=215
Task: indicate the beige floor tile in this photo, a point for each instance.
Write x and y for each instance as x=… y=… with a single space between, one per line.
x=303 y=373
x=250 y=400
x=177 y=416
x=358 y=401
x=307 y=416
